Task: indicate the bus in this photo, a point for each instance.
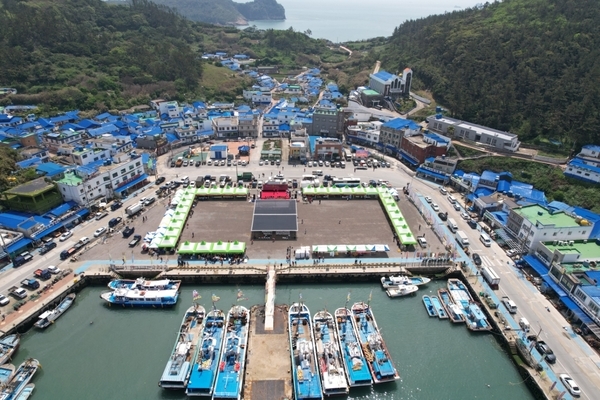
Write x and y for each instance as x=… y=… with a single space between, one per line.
x=345 y=182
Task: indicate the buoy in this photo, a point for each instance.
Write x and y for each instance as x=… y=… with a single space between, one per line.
x=91 y=322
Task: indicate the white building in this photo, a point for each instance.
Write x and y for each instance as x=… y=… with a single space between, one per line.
x=225 y=127
x=387 y=84
x=54 y=140
x=86 y=155
x=586 y=165
x=116 y=144
x=365 y=132
x=258 y=96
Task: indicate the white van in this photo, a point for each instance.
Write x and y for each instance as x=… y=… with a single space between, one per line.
x=185 y=179
x=510 y=305
x=524 y=324
x=452 y=225
x=318 y=172
x=451 y=199
x=485 y=239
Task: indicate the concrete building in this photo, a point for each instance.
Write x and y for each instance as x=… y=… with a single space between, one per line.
x=586 y=165
x=87 y=155
x=417 y=148
x=327 y=122
x=327 y=149
x=365 y=133
x=437 y=168
x=37 y=196
x=371 y=98
x=393 y=130
x=248 y=125
x=33 y=152
x=54 y=140
x=226 y=127
x=533 y=224
x=116 y=144
x=495 y=139
x=391 y=85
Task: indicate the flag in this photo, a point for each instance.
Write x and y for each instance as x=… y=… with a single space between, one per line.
x=240 y=295
x=195 y=295
x=300 y=296
x=215 y=298
x=370 y=295
x=348 y=297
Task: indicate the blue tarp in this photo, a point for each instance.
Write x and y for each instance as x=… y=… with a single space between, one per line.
x=571 y=305
x=431 y=173
x=18 y=245
x=548 y=281
x=409 y=158
x=536 y=264
x=62 y=209
x=132 y=183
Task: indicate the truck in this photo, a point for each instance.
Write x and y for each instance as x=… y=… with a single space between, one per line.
x=68 y=253
x=509 y=304
x=245 y=177
x=452 y=225
x=462 y=239
x=17 y=292
x=491 y=277
x=136 y=239
x=134 y=209
x=179 y=162
x=30 y=283
x=42 y=274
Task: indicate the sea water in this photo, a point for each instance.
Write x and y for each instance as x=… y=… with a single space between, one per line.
x=347 y=20
x=99 y=352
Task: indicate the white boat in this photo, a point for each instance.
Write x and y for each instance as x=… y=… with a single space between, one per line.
x=141 y=298
x=8 y=345
x=399 y=280
x=400 y=291
x=329 y=356
x=47 y=318
x=26 y=392
x=18 y=383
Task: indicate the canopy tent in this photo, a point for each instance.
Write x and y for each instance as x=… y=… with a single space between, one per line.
x=187 y=248
x=167 y=242
x=203 y=247
x=164 y=222
x=220 y=247
x=176 y=224
x=237 y=247
x=329 y=248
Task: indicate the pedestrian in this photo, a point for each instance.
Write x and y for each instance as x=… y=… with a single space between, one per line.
x=319 y=201
x=302 y=221
x=192 y=234
x=3 y=317
x=161 y=259
x=339 y=222
x=305 y=231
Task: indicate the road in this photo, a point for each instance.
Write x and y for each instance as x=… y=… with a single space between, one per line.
x=574 y=356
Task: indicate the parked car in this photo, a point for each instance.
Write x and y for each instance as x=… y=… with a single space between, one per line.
x=472 y=223
x=65 y=236
x=546 y=351
x=428 y=199
x=511 y=252
x=456 y=206
x=465 y=216
x=422 y=241
x=53 y=269
x=261 y=162
x=570 y=384
x=149 y=201
x=116 y=205
x=4 y=300
x=160 y=180
x=443 y=216
x=435 y=207
x=99 y=231
x=476 y=259
x=443 y=190
x=128 y=231
x=47 y=247
x=136 y=239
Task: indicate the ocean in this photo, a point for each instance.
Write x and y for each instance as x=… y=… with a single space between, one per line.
x=348 y=20
x=98 y=352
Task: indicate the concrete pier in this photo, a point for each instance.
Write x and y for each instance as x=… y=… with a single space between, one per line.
x=270 y=297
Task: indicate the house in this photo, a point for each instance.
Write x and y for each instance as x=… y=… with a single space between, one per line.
x=54 y=140
x=415 y=149
x=326 y=148
x=365 y=133
x=586 y=165
x=437 y=168
x=393 y=130
x=226 y=127
x=86 y=155
x=391 y=85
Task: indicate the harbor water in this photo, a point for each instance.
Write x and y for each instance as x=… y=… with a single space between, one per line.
x=100 y=352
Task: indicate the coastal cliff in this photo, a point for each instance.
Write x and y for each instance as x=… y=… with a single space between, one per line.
x=226 y=12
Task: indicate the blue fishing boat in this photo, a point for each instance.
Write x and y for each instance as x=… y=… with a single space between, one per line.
x=19 y=381
x=376 y=353
x=474 y=317
x=208 y=353
x=141 y=298
x=357 y=371
x=143 y=284
x=6 y=373
x=329 y=355
x=8 y=345
x=233 y=355
x=26 y=392
x=305 y=371
x=437 y=305
x=399 y=280
x=177 y=370
x=429 y=306
x=454 y=312
x=47 y=318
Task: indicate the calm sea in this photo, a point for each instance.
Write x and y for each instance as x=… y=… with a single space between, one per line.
x=347 y=20
x=121 y=355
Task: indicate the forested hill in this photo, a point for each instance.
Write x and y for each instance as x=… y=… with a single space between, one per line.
x=86 y=54
x=528 y=66
x=226 y=12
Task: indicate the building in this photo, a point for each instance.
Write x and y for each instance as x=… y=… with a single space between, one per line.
x=248 y=125
x=371 y=98
x=417 y=148
x=327 y=122
x=218 y=152
x=391 y=85
x=365 y=133
x=327 y=148
x=33 y=152
x=533 y=224
x=393 y=130
x=226 y=127
x=37 y=196
x=495 y=139
x=86 y=155
x=116 y=144
x=54 y=140
x=437 y=168
x=586 y=165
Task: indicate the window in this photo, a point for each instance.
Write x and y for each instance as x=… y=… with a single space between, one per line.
x=123 y=171
x=131 y=167
x=106 y=178
x=115 y=175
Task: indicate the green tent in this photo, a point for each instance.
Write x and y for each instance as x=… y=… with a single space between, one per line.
x=203 y=247
x=187 y=248
x=237 y=247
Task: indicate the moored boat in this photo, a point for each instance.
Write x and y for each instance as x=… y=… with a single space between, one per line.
x=357 y=371
x=399 y=280
x=19 y=381
x=376 y=353
x=8 y=345
x=26 y=392
x=305 y=372
x=453 y=311
x=208 y=353
x=177 y=370
x=437 y=305
x=429 y=306
x=474 y=317
x=230 y=375
x=143 y=284
x=141 y=298
x=48 y=317
x=402 y=290
x=329 y=356
x=6 y=373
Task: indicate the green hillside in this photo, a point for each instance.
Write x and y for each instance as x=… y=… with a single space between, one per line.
x=528 y=66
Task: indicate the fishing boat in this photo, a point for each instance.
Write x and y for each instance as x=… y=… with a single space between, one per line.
x=429 y=306
x=453 y=311
x=357 y=371
x=208 y=353
x=48 y=317
x=19 y=381
x=177 y=370
x=141 y=298
x=8 y=345
x=230 y=375
x=26 y=392
x=399 y=280
x=400 y=291
x=329 y=356
x=378 y=357
x=143 y=284
x=305 y=372
x=437 y=305
x=474 y=317
x=6 y=373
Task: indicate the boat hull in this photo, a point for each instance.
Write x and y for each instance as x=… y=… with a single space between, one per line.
x=376 y=353
x=440 y=310
x=399 y=280
x=357 y=371
x=454 y=312
x=149 y=301
x=329 y=356
x=64 y=305
x=26 y=392
x=8 y=346
x=305 y=372
x=20 y=380
x=401 y=291
x=429 y=306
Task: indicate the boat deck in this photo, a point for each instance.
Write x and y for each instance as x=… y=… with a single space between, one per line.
x=268 y=375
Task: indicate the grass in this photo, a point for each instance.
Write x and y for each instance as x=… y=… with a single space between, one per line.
x=467 y=151
x=222 y=83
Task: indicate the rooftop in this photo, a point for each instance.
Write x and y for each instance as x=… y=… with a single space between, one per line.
x=31 y=188
x=71 y=179
x=535 y=213
x=474 y=127
x=383 y=76
x=370 y=92
x=587 y=251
